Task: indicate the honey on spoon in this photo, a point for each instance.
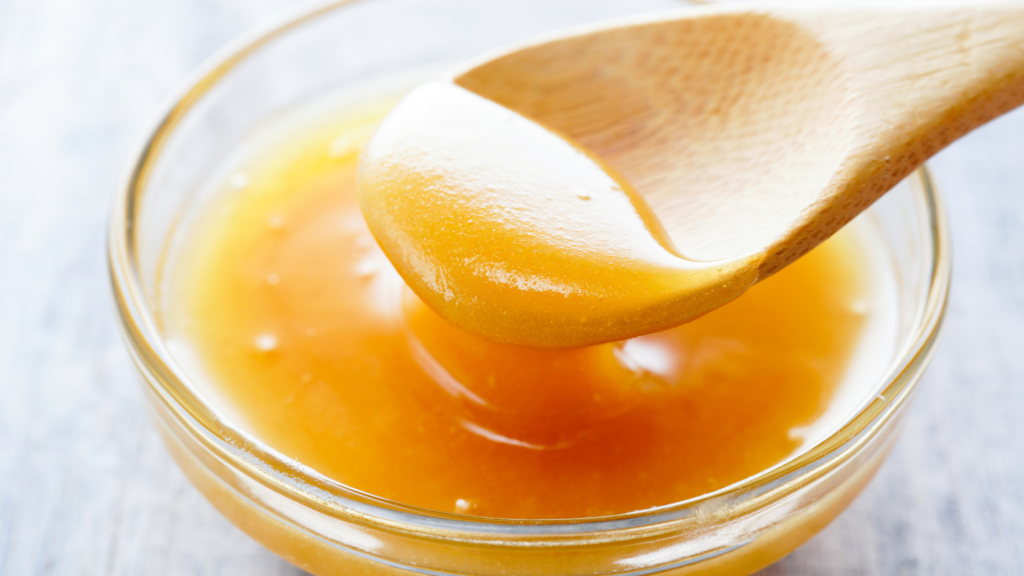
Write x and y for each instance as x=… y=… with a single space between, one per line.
x=623 y=179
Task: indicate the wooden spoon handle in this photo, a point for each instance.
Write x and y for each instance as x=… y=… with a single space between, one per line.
x=920 y=79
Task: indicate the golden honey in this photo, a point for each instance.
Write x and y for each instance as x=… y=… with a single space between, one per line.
x=512 y=231
x=279 y=297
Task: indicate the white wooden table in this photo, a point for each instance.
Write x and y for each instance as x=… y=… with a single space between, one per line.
x=87 y=489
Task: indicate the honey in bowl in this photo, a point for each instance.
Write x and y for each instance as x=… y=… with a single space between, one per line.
x=278 y=300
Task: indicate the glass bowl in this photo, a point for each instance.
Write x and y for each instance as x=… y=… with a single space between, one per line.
x=328 y=528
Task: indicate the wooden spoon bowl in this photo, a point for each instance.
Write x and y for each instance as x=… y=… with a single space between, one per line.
x=766 y=128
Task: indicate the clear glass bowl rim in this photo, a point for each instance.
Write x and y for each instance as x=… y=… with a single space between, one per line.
x=301 y=484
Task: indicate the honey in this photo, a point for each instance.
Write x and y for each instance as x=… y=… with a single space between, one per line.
x=509 y=229
x=279 y=300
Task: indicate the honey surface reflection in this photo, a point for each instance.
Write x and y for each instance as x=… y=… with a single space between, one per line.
x=307 y=336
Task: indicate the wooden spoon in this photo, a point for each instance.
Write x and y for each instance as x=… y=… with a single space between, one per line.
x=753 y=132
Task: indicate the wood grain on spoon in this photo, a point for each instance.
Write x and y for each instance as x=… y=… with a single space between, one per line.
x=753 y=130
